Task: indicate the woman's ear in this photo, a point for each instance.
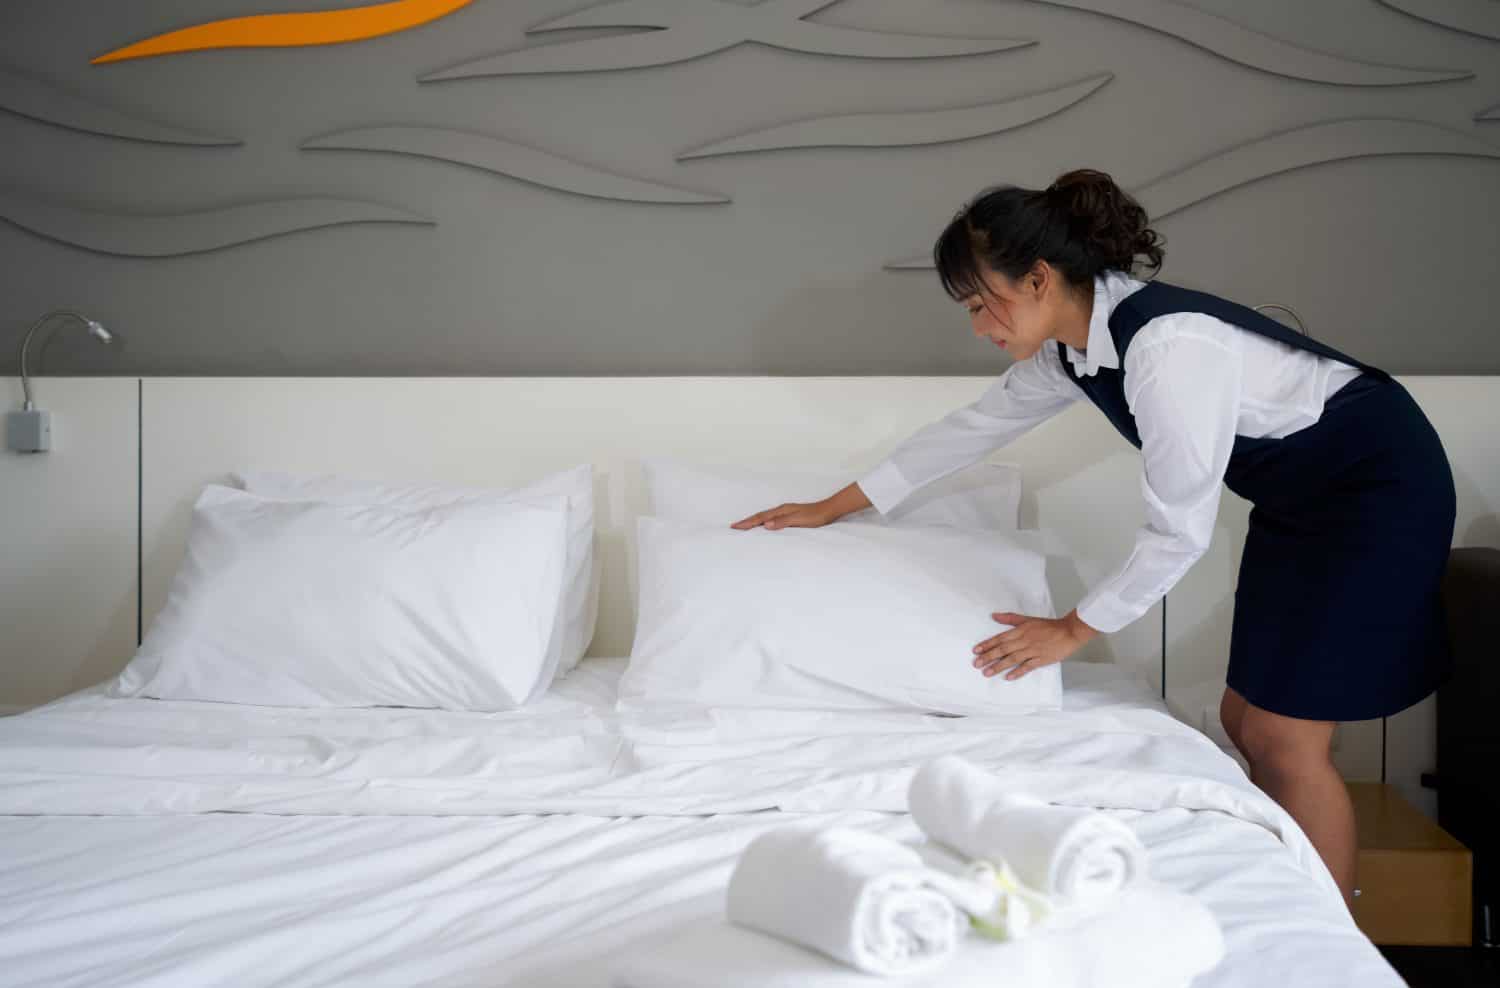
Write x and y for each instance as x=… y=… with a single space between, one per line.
x=1039 y=278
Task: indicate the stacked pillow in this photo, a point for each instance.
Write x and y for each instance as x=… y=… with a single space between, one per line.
x=323 y=591
x=868 y=613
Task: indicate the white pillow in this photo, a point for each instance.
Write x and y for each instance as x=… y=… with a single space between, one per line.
x=986 y=495
x=848 y=616
x=311 y=604
x=580 y=607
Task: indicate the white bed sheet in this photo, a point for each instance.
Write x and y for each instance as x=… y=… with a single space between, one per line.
x=178 y=843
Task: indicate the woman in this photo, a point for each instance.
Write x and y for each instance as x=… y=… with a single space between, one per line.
x=1337 y=611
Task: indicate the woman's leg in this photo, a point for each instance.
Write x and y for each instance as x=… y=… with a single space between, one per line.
x=1231 y=715
x=1289 y=759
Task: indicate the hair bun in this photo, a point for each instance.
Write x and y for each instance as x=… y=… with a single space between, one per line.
x=1082 y=224
x=1110 y=225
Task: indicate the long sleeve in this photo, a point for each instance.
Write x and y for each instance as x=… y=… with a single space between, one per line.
x=1182 y=380
x=1028 y=393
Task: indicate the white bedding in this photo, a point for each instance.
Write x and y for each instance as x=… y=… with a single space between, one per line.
x=402 y=847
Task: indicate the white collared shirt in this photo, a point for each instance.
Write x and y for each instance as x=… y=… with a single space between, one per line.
x=1193 y=382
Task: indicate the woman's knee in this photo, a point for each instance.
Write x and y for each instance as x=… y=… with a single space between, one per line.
x=1273 y=742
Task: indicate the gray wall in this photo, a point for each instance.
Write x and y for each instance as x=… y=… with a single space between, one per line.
x=1390 y=255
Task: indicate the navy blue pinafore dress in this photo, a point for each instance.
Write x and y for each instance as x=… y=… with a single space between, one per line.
x=1337 y=612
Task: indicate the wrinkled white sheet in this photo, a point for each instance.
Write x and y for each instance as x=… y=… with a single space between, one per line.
x=403 y=847
x=1149 y=937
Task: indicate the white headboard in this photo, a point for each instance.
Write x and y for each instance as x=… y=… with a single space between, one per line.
x=131 y=455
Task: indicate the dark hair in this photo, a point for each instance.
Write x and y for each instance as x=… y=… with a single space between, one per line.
x=1081 y=224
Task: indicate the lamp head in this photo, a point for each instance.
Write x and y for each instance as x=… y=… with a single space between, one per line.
x=94 y=327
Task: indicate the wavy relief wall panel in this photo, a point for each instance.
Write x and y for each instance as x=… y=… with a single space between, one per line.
x=674 y=31
x=906 y=129
x=1240 y=44
x=1480 y=18
x=28 y=96
x=1285 y=151
x=502 y=157
x=134 y=235
x=686 y=29
x=1304 y=147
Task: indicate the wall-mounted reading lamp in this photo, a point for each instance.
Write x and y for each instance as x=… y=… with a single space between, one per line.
x=30 y=429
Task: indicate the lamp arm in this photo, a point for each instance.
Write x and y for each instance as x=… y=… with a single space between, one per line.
x=26 y=342
x=1289 y=311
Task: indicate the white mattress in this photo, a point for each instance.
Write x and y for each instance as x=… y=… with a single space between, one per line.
x=176 y=843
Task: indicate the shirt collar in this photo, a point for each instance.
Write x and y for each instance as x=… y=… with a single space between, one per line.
x=1110 y=288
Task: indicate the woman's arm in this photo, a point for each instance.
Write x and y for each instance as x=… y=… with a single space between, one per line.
x=1026 y=395
x=1183 y=382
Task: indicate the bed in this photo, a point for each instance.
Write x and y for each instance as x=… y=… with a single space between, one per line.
x=189 y=843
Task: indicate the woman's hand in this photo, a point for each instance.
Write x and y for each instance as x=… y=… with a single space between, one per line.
x=1033 y=642
x=814 y=515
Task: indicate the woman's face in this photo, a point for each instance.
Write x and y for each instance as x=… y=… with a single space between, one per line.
x=1014 y=313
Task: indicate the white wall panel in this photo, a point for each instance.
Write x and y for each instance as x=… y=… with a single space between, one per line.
x=68 y=541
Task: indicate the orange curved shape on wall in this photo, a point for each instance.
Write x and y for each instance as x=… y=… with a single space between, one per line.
x=324 y=27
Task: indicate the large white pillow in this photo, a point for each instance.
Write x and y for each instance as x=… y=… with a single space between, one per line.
x=314 y=604
x=849 y=616
x=580 y=608
x=986 y=495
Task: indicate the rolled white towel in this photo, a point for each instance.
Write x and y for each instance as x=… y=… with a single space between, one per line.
x=858 y=897
x=1075 y=854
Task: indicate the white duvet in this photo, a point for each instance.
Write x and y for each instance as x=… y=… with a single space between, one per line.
x=179 y=843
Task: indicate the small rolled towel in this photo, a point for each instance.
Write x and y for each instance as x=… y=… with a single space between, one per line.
x=858 y=897
x=1075 y=854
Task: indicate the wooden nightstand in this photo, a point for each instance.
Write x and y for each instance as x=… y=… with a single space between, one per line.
x=1415 y=880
